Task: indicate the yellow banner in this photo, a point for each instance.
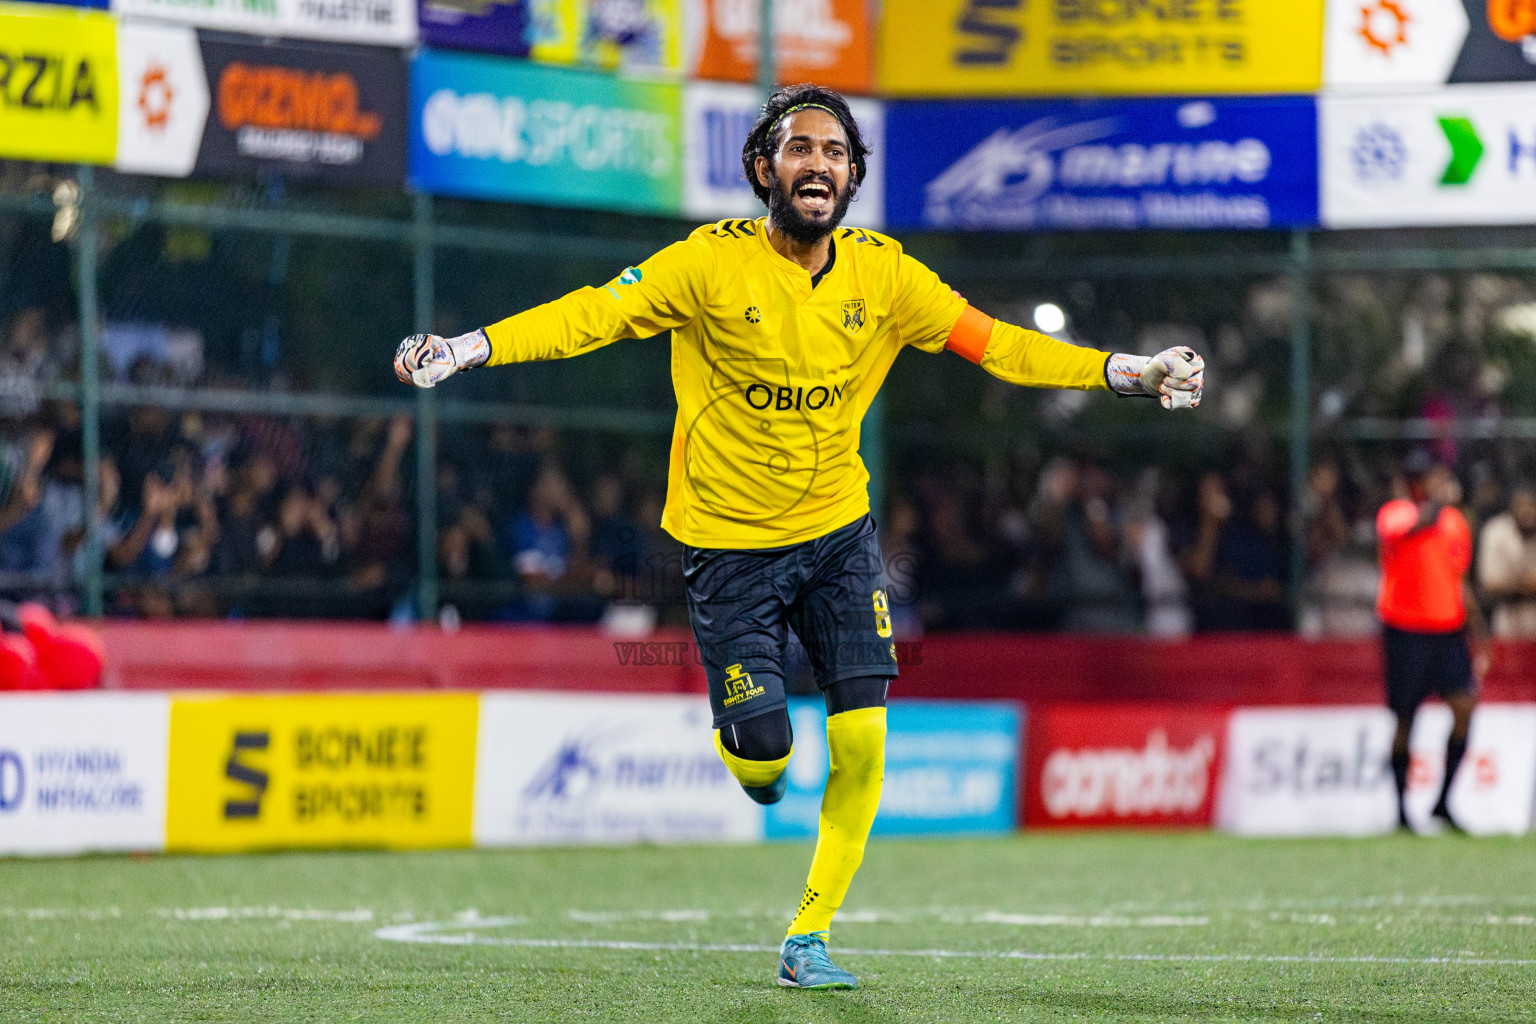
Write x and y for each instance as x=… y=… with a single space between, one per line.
x=1088 y=47
x=344 y=770
x=58 y=84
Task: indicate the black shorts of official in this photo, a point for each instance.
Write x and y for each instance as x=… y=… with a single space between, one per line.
x=1420 y=664
x=830 y=591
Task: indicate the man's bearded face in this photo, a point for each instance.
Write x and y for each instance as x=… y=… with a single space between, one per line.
x=812 y=177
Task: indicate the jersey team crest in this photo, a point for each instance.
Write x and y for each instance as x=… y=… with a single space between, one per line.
x=853 y=314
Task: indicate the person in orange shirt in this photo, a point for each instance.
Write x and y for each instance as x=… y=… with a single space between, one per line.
x=1426 y=608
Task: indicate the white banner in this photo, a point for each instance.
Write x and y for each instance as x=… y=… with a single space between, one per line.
x=604 y=768
x=1308 y=771
x=1495 y=786
x=163 y=99
x=388 y=22
x=1464 y=154
x=82 y=772
x=1369 y=43
x=1326 y=771
x=716 y=120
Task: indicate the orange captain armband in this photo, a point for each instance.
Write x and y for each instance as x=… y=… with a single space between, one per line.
x=971 y=334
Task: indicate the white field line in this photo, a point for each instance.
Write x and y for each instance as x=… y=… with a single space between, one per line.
x=452 y=933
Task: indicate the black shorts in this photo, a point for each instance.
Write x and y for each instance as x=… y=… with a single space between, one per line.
x=830 y=591
x=1420 y=664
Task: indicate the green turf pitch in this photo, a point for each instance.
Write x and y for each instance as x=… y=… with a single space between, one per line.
x=1119 y=927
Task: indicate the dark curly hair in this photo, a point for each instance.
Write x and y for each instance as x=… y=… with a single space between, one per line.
x=763 y=140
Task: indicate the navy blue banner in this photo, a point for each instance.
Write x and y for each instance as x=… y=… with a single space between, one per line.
x=1248 y=162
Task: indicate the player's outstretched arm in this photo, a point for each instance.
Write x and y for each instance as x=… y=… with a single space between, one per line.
x=664 y=292
x=1175 y=376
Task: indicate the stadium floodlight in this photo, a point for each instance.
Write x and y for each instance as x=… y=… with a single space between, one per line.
x=1049 y=318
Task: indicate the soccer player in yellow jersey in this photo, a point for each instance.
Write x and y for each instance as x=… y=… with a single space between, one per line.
x=783 y=328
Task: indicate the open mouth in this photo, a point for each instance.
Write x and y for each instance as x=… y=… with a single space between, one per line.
x=814 y=195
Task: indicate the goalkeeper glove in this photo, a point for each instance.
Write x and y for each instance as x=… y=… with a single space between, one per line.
x=1175 y=376
x=427 y=360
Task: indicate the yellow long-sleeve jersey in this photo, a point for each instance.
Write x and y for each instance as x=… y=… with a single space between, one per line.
x=773 y=376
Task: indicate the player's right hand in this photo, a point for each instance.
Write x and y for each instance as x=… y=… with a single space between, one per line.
x=424 y=360
x=427 y=360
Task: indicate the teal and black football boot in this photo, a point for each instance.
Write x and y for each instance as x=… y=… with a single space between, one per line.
x=803 y=963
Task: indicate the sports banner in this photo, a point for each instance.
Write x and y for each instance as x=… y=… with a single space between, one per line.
x=951 y=768
x=1373 y=43
x=345 y=770
x=388 y=22
x=716 y=120
x=1241 y=162
x=1096 y=764
x=821 y=41
x=1465 y=154
x=1495 y=787
x=489 y=128
x=629 y=34
x=58 y=84
x=221 y=108
x=82 y=772
x=604 y=768
x=1092 y=47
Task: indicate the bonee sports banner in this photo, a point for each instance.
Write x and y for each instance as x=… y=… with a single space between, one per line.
x=1240 y=162
x=489 y=128
x=58 y=91
x=310 y=771
x=1092 y=47
x=1155 y=765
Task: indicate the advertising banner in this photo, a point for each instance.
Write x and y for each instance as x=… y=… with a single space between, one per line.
x=58 y=91
x=495 y=26
x=1123 y=764
x=604 y=768
x=821 y=41
x=165 y=99
x=1465 y=154
x=387 y=22
x=1391 y=42
x=716 y=120
x=229 y=109
x=1089 y=47
x=1326 y=771
x=951 y=768
x=1224 y=163
x=489 y=128
x=345 y=770
x=1308 y=771
x=628 y=34
x=1495 y=787
x=82 y=772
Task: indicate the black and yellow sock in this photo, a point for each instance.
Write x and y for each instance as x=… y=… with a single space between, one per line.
x=856 y=743
x=751 y=774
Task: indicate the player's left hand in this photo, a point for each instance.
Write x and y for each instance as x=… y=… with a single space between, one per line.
x=1175 y=377
x=427 y=360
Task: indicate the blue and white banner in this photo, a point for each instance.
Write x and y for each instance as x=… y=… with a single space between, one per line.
x=717 y=117
x=1241 y=162
x=951 y=768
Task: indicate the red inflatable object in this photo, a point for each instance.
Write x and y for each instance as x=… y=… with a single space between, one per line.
x=19 y=669
x=68 y=657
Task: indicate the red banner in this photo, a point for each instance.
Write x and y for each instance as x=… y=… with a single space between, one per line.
x=826 y=42
x=1122 y=764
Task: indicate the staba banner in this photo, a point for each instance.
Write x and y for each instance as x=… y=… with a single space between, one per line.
x=214 y=107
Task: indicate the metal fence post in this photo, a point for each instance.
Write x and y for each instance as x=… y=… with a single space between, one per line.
x=426 y=419
x=1301 y=409
x=765 y=77
x=90 y=389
